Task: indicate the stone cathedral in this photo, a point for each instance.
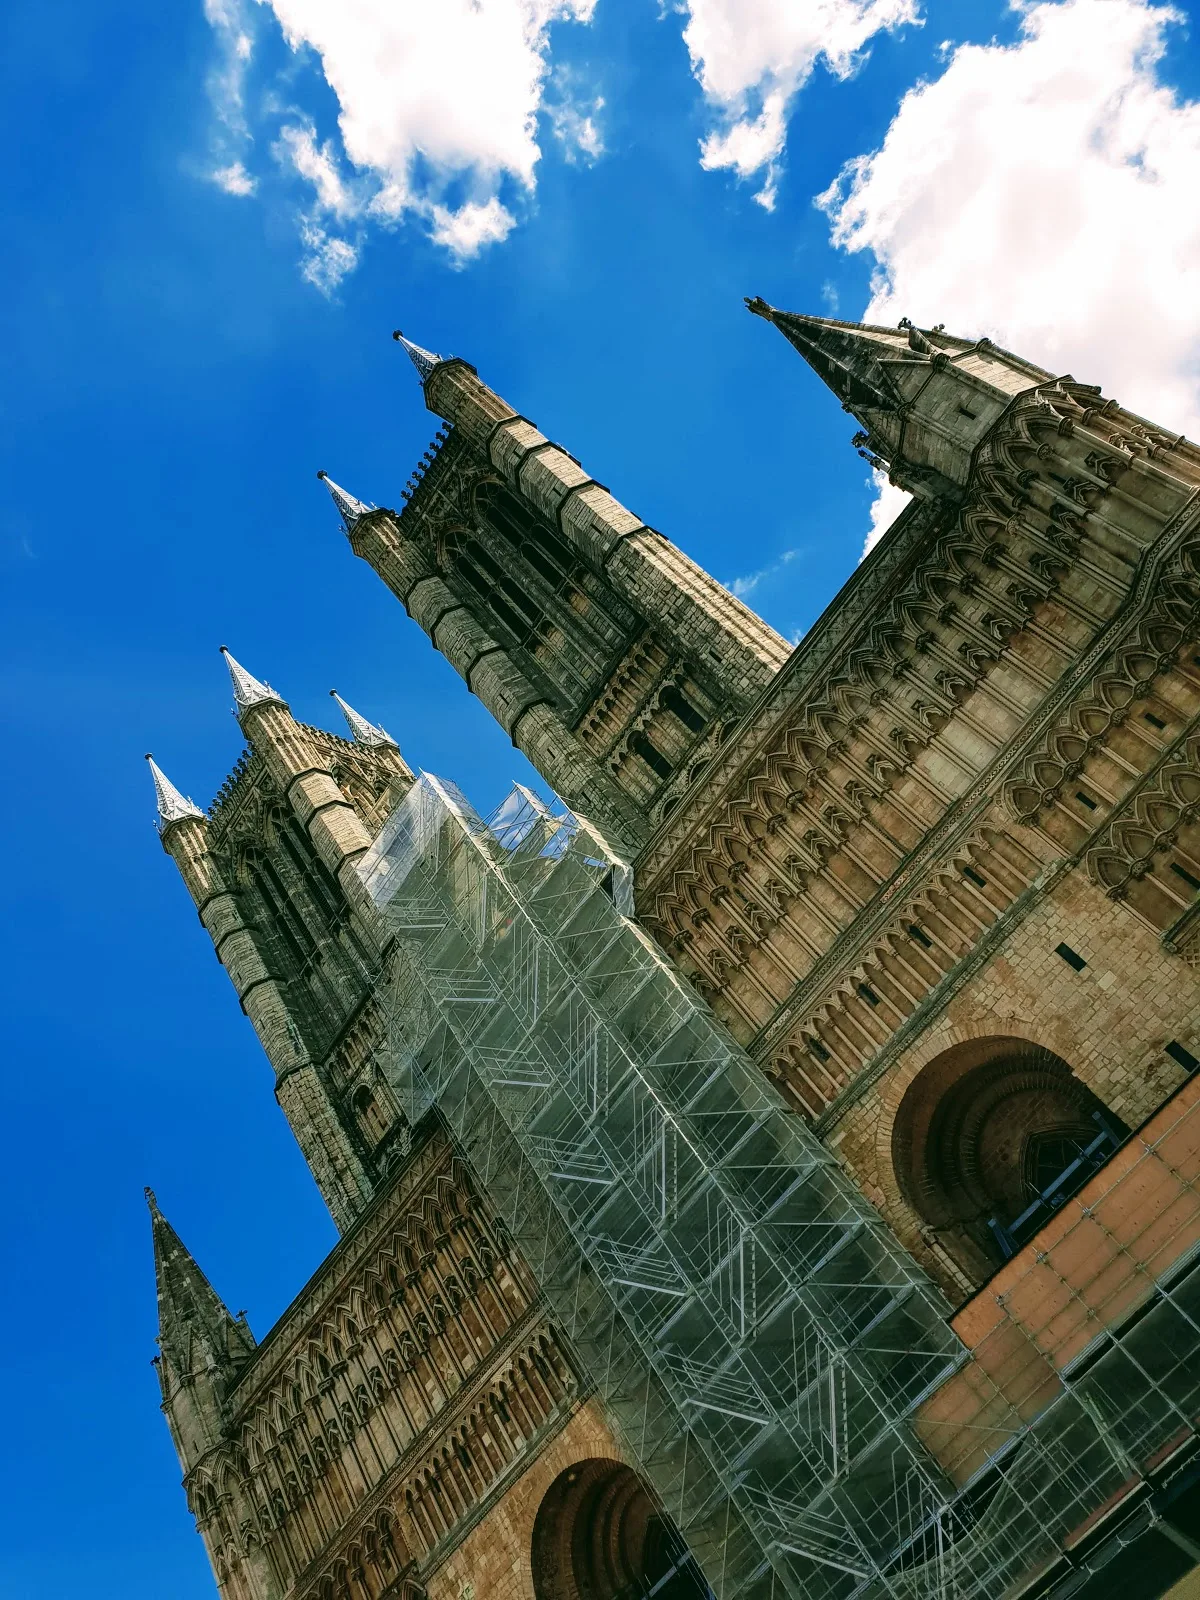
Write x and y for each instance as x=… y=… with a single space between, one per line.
x=772 y=1170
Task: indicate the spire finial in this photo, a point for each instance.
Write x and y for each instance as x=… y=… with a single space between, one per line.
x=423 y=360
x=247 y=690
x=349 y=508
x=365 y=733
x=172 y=806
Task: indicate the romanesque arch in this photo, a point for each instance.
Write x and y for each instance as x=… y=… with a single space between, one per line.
x=990 y=1137
x=599 y=1536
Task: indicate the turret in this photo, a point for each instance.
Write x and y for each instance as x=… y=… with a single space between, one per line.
x=338 y=833
x=202 y=1347
x=926 y=399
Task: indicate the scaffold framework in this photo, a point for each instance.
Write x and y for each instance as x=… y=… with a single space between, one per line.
x=761 y=1342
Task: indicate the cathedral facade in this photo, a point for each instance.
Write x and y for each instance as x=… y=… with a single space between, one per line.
x=928 y=886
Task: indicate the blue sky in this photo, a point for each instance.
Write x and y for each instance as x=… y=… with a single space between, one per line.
x=175 y=382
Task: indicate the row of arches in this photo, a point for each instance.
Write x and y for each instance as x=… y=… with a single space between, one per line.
x=519 y=573
x=428 y=1311
x=845 y=792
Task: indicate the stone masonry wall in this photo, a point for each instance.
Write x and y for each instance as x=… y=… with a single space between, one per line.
x=493 y=1562
x=1109 y=1022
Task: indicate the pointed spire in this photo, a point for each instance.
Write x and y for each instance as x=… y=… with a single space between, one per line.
x=856 y=359
x=349 y=508
x=365 y=733
x=172 y=806
x=189 y=1308
x=423 y=360
x=247 y=690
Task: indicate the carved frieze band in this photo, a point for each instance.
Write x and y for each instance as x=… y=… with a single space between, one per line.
x=835 y=758
x=431 y=1375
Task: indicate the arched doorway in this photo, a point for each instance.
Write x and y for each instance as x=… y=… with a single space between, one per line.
x=599 y=1536
x=990 y=1139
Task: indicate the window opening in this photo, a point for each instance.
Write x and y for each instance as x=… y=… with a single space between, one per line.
x=654 y=759
x=1071 y=957
x=674 y=699
x=1184 y=1057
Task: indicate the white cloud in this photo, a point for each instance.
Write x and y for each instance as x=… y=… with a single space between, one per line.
x=752 y=57
x=889 y=502
x=327 y=259
x=1045 y=193
x=438 y=116
x=234 y=179
x=298 y=148
x=465 y=232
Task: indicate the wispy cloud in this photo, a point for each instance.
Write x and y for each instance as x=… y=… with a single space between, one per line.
x=574 y=117
x=231 y=22
x=327 y=258
x=746 y=585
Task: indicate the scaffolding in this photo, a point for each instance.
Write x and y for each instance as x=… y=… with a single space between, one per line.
x=765 y=1349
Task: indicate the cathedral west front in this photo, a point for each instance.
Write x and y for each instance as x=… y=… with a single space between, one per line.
x=772 y=1171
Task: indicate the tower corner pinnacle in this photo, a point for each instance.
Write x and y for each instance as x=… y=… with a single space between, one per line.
x=368 y=734
x=248 y=690
x=424 y=360
x=172 y=807
x=350 y=508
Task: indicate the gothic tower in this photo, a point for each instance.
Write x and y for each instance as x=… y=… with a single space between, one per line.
x=272 y=874
x=611 y=660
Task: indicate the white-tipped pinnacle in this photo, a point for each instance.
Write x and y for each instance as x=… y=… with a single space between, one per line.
x=349 y=508
x=423 y=360
x=365 y=733
x=247 y=690
x=172 y=806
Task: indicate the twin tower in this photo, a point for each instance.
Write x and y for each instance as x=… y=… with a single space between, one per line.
x=613 y=662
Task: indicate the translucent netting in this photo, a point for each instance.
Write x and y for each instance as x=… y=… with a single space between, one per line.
x=761 y=1342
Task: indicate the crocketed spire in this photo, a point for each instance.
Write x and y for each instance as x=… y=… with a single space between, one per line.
x=423 y=360
x=189 y=1308
x=247 y=690
x=172 y=806
x=365 y=733
x=349 y=508
x=856 y=359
